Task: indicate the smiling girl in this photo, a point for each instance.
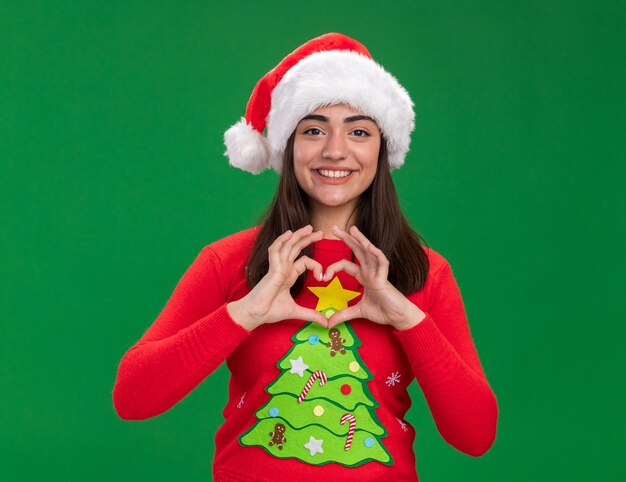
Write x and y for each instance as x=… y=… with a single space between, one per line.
x=328 y=310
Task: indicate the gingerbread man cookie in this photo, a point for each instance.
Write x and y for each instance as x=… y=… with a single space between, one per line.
x=336 y=342
x=277 y=436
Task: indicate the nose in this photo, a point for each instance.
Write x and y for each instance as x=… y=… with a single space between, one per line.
x=335 y=148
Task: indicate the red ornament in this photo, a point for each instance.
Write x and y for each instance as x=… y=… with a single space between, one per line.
x=346 y=389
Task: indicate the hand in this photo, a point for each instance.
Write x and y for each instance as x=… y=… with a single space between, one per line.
x=270 y=300
x=381 y=302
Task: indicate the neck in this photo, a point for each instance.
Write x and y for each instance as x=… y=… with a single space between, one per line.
x=324 y=217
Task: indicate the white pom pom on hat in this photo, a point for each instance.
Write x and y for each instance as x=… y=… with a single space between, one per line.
x=327 y=70
x=246 y=148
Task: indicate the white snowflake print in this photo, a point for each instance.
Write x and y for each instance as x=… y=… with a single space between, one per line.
x=393 y=379
x=240 y=404
x=404 y=426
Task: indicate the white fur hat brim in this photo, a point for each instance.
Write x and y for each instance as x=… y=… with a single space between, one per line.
x=334 y=77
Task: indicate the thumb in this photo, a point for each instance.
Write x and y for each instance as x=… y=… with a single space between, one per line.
x=346 y=314
x=308 y=314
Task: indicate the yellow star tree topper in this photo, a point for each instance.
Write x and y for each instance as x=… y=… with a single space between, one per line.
x=333 y=295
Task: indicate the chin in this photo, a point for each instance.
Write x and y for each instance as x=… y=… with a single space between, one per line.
x=333 y=203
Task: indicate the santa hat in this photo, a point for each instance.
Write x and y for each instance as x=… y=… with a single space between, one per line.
x=327 y=70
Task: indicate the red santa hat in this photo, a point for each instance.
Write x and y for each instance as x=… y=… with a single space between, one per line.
x=326 y=70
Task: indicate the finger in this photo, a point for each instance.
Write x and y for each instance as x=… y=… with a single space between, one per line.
x=280 y=240
x=304 y=262
x=374 y=253
x=298 y=246
x=360 y=237
x=307 y=314
x=349 y=267
x=274 y=249
x=285 y=249
x=350 y=313
x=383 y=262
x=352 y=242
x=365 y=244
x=298 y=237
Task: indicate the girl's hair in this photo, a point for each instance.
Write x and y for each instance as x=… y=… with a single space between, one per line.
x=378 y=217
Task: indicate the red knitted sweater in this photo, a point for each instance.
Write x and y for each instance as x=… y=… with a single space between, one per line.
x=194 y=334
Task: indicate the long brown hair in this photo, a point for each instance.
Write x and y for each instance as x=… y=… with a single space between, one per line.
x=378 y=217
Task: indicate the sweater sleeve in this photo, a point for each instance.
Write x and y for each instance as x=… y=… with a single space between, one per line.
x=190 y=338
x=445 y=362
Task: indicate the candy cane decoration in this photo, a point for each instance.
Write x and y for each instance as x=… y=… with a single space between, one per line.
x=352 y=419
x=318 y=374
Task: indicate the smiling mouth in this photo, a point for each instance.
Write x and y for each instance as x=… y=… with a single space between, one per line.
x=333 y=174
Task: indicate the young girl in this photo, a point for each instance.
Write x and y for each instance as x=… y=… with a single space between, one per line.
x=328 y=310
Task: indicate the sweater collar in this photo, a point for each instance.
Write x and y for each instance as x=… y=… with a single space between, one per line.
x=332 y=246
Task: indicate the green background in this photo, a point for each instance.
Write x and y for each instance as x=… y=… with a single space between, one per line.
x=113 y=179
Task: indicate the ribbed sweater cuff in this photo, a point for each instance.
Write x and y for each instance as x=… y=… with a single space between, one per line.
x=211 y=340
x=424 y=342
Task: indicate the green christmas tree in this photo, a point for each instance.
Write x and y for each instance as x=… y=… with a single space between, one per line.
x=321 y=410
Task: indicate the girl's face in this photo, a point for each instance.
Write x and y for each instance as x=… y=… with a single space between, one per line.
x=335 y=155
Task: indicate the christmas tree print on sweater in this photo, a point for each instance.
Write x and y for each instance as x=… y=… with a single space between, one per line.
x=321 y=410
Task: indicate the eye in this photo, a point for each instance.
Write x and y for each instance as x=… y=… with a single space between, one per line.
x=314 y=131
x=360 y=133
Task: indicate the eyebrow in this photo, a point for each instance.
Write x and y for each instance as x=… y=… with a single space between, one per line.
x=347 y=120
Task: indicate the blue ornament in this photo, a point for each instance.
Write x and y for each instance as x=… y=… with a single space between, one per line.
x=313 y=339
x=368 y=442
x=274 y=412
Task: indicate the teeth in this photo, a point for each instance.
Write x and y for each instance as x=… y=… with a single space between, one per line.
x=333 y=174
